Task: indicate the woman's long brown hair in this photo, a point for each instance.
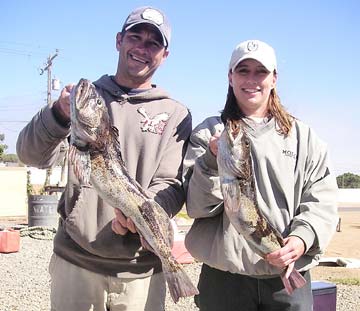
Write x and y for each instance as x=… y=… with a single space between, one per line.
x=276 y=110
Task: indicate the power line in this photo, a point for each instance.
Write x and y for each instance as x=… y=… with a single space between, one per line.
x=10 y=97
x=24 y=44
x=2 y=128
x=13 y=121
x=21 y=52
x=20 y=48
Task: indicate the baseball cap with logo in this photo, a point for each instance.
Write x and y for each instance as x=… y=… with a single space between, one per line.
x=150 y=15
x=254 y=49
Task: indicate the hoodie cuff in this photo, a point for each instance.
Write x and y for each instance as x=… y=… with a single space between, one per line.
x=210 y=160
x=306 y=234
x=49 y=121
x=59 y=117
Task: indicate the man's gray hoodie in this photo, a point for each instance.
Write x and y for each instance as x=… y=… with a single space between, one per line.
x=152 y=149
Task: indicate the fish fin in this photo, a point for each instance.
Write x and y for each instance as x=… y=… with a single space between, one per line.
x=159 y=219
x=114 y=132
x=180 y=284
x=295 y=280
x=231 y=194
x=81 y=164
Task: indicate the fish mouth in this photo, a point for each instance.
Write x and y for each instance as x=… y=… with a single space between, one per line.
x=233 y=129
x=84 y=91
x=86 y=95
x=237 y=133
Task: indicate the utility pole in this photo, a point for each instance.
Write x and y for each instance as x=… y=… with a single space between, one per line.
x=48 y=67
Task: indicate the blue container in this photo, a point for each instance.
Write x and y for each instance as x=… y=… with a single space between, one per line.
x=324 y=296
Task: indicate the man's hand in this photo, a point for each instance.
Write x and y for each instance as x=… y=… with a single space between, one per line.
x=62 y=105
x=121 y=225
x=293 y=249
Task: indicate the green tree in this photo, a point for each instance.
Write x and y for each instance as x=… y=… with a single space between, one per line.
x=348 y=180
x=3 y=147
x=10 y=157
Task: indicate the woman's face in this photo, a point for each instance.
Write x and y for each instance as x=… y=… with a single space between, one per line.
x=252 y=84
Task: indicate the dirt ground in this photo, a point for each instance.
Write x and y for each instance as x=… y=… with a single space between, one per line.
x=345 y=243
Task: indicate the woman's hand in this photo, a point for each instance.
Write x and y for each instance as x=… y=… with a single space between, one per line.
x=213 y=143
x=293 y=249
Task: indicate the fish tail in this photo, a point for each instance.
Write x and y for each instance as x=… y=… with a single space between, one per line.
x=295 y=280
x=180 y=284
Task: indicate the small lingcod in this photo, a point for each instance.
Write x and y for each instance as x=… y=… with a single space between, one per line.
x=95 y=153
x=240 y=202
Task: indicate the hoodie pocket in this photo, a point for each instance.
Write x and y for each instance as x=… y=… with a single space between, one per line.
x=89 y=225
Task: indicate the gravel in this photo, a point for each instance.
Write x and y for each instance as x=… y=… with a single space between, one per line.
x=25 y=281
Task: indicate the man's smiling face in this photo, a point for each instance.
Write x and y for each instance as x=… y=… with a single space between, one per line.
x=141 y=52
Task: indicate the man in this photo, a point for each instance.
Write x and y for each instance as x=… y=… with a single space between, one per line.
x=98 y=261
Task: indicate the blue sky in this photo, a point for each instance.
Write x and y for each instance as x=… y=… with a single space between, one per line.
x=316 y=42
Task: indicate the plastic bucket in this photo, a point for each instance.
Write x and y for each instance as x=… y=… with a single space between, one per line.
x=42 y=210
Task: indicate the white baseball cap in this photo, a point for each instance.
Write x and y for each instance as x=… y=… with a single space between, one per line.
x=254 y=49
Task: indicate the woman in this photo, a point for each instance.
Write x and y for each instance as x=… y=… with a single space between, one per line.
x=296 y=192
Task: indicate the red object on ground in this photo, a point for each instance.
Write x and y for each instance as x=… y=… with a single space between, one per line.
x=9 y=241
x=180 y=252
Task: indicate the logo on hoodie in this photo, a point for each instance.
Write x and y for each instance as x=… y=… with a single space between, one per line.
x=154 y=124
x=289 y=153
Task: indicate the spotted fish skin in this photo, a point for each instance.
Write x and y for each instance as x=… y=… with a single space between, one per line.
x=96 y=157
x=240 y=202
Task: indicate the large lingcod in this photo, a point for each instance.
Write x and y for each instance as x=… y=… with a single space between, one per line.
x=240 y=201
x=96 y=157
